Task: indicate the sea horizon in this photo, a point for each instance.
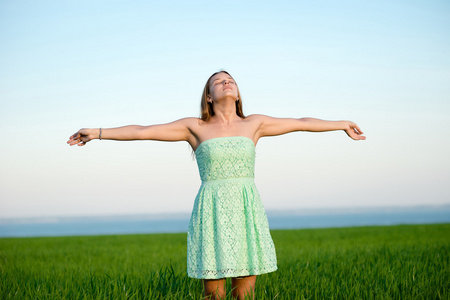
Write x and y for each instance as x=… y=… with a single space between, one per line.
x=178 y=221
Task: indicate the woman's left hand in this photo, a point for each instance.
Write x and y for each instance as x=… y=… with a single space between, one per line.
x=354 y=132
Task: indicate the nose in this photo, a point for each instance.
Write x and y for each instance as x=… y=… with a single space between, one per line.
x=226 y=81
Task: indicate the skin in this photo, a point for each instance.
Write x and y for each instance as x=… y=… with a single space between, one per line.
x=225 y=122
x=241 y=287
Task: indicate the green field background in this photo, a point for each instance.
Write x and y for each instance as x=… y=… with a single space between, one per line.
x=392 y=262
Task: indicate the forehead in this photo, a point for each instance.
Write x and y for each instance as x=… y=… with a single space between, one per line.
x=221 y=75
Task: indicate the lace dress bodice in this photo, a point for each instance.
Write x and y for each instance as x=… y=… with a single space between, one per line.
x=235 y=158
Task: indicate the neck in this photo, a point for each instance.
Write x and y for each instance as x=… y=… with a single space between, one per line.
x=225 y=112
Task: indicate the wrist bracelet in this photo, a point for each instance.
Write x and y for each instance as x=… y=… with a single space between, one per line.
x=100 y=135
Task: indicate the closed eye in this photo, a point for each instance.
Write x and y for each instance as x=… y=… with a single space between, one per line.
x=219 y=81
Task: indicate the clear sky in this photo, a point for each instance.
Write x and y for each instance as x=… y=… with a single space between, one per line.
x=65 y=65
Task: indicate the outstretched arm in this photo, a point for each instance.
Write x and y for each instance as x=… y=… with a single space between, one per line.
x=175 y=131
x=270 y=126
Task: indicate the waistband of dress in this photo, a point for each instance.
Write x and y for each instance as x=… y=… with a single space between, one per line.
x=234 y=179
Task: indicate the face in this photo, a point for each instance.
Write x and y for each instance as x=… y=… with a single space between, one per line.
x=222 y=86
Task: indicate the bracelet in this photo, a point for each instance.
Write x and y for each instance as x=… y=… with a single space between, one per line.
x=100 y=135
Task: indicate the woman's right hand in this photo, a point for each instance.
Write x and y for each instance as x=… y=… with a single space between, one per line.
x=83 y=136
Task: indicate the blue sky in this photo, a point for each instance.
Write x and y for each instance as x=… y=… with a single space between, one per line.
x=72 y=64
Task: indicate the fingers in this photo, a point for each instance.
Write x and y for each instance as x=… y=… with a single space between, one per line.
x=76 y=142
x=358 y=130
x=73 y=138
x=358 y=136
x=77 y=139
x=355 y=133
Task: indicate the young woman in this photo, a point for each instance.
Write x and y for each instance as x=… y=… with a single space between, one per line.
x=228 y=233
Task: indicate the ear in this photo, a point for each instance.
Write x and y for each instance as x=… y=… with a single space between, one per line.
x=209 y=99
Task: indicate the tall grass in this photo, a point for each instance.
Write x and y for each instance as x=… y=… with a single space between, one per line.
x=395 y=262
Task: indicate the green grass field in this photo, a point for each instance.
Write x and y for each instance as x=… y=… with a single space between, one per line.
x=394 y=262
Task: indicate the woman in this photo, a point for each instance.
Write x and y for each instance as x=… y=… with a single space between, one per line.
x=228 y=233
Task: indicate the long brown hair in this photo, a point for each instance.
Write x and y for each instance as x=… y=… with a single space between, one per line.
x=207 y=108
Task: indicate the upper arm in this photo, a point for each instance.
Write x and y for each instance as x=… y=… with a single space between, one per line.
x=179 y=130
x=270 y=126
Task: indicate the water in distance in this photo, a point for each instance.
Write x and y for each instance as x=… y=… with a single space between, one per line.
x=171 y=223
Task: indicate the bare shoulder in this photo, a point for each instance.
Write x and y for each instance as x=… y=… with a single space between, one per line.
x=257 y=118
x=193 y=125
x=189 y=122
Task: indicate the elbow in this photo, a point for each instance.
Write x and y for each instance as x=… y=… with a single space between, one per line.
x=306 y=119
x=141 y=133
x=304 y=124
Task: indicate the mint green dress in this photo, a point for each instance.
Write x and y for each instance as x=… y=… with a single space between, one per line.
x=228 y=232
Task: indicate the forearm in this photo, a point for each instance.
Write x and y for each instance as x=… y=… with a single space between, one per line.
x=124 y=133
x=318 y=125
